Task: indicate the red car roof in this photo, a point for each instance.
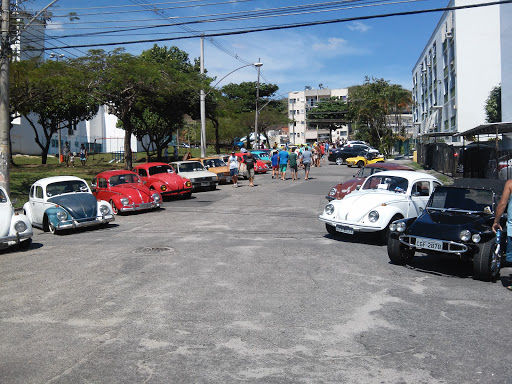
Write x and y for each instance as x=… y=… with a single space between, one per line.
x=390 y=166
x=147 y=165
x=107 y=174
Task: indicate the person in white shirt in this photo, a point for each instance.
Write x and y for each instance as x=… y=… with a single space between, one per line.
x=234 y=167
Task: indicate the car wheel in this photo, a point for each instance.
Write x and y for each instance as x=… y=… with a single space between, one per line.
x=114 y=208
x=213 y=187
x=384 y=234
x=399 y=253
x=331 y=229
x=24 y=245
x=339 y=160
x=52 y=228
x=360 y=164
x=187 y=195
x=486 y=263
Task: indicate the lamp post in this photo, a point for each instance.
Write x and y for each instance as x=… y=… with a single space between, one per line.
x=256 y=136
x=202 y=101
x=59 y=135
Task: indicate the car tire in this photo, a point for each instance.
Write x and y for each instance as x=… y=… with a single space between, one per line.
x=360 y=164
x=331 y=229
x=25 y=244
x=213 y=187
x=384 y=234
x=52 y=228
x=187 y=195
x=399 y=253
x=114 y=208
x=339 y=160
x=486 y=264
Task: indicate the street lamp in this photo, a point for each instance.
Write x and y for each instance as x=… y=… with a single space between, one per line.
x=256 y=136
x=59 y=136
x=202 y=101
x=54 y=55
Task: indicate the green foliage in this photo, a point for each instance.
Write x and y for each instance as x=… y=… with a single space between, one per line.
x=329 y=113
x=493 y=105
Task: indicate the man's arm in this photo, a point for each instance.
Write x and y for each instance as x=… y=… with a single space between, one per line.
x=500 y=209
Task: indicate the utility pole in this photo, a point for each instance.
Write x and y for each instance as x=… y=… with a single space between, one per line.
x=202 y=97
x=5 y=119
x=256 y=136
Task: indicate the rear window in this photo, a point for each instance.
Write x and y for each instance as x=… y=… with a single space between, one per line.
x=466 y=199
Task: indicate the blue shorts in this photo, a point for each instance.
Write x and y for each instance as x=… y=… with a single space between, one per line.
x=233 y=172
x=509 y=249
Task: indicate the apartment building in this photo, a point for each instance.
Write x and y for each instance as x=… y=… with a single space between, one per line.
x=304 y=130
x=457 y=69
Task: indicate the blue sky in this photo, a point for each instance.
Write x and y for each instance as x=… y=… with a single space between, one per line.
x=336 y=55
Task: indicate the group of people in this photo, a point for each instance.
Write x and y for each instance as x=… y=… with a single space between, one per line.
x=282 y=159
x=68 y=157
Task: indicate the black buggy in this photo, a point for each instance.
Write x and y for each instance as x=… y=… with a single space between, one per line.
x=458 y=220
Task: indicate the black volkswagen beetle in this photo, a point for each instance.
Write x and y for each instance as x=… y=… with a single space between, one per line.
x=457 y=219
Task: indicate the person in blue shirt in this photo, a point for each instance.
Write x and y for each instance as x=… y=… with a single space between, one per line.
x=283 y=163
x=275 y=164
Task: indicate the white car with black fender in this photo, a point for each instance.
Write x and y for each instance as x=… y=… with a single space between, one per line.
x=15 y=228
x=65 y=202
x=383 y=198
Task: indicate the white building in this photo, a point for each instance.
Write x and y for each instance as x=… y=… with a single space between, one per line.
x=456 y=71
x=299 y=103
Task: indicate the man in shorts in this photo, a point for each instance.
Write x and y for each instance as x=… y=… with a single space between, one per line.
x=250 y=161
x=283 y=163
x=275 y=164
x=234 y=167
x=306 y=161
x=292 y=160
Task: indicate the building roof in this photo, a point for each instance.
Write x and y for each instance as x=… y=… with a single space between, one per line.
x=488 y=129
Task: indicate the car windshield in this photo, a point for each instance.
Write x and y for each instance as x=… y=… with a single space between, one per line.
x=123 y=179
x=367 y=171
x=160 y=169
x=386 y=182
x=464 y=199
x=3 y=197
x=256 y=156
x=68 y=186
x=214 y=163
x=193 y=166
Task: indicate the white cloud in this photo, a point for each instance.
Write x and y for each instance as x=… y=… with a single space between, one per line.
x=333 y=43
x=359 y=27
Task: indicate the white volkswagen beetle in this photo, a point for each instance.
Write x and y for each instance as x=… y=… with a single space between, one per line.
x=383 y=198
x=65 y=202
x=15 y=228
x=196 y=173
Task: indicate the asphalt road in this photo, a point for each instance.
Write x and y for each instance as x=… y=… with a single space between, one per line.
x=244 y=285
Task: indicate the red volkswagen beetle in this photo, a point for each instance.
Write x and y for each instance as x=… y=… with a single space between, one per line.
x=161 y=177
x=125 y=191
x=259 y=167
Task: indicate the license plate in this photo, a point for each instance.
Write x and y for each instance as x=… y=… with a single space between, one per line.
x=434 y=245
x=205 y=184
x=344 y=229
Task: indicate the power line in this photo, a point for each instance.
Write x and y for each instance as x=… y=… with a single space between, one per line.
x=299 y=25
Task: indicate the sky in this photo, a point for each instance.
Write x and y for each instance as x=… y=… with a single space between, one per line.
x=335 y=55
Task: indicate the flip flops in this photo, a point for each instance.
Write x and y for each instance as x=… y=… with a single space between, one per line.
x=509 y=287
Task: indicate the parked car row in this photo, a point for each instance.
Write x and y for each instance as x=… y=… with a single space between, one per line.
x=340 y=155
x=413 y=212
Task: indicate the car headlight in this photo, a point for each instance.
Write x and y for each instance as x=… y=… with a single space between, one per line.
x=188 y=184
x=62 y=215
x=329 y=209
x=332 y=192
x=400 y=226
x=373 y=216
x=125 y=201
x=156 y=197
x=20 y=226
x=163 y=188
x=104 y=209
x=476 y=238
x=465 y=235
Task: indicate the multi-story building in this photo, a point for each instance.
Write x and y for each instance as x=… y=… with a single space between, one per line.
x=456 y=71
x=303 y=130
x=506 y=62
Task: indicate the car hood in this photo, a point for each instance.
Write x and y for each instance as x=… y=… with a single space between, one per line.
x=167 y=178
x=133 y=191
x=448 y=225
x=356 y=205
x=216 y=170
x=349 y=185
x=78 y=205
x=6 y=212
x=196 y=174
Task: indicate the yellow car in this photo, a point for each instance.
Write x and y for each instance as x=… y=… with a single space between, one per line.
x=365 y=158
x=216 y=165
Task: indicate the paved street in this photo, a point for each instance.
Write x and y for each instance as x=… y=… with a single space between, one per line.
x=244 y=285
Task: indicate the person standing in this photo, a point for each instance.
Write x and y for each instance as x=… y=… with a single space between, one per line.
x=292 y=160
x=234 y=167
x=306 y=161
x=166 y=154
x=249 y=162
x=275 y=164
x=65 y=153
x=506 y=199
x=83 y=154
x=175 y=153
x=283 y=163
x=321 y=148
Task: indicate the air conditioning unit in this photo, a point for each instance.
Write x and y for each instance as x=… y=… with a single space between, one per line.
x=454 y=106
x=429 y=64
x=448 y=35
x=452 y=64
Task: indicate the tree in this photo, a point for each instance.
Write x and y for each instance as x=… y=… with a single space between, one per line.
x=121 y=81
x=493 y=105
x=56 y=92
x=370 y=107
x=329 y=113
